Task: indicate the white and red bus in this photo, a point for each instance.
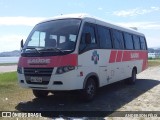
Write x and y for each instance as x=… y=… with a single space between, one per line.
x=77 y=52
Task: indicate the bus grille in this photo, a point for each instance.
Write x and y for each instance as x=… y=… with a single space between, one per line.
x=44 y=73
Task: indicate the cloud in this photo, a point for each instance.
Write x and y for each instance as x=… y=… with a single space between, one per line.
x=135 y=12
x=141 y=25
x=100 y=8
x=10 y=42
x=27 y=21
x=152 y=41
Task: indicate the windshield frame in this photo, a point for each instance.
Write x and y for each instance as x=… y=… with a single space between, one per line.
x=40 y=48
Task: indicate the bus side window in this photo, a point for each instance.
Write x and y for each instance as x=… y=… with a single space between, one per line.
x=117 y=39
x=104 y=37
x=136 y=42
x=128 y=41
x=88 y=38
x=143 y=43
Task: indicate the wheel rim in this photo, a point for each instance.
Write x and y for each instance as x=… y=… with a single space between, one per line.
x=91 y=89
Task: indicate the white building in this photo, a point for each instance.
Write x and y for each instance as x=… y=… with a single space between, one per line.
x=153 y=55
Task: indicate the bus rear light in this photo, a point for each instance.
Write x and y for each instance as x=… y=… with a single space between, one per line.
x=61 y=70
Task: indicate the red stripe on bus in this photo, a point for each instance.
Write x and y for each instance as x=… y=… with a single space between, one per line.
x=54 y=61
x=122 y=56
x=145 y=61
x=145 y=64
x=113 y=56
x=134 y=55
x=119 y=56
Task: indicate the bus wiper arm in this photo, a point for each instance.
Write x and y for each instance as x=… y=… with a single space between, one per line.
x=53 y=48
x=33 y=49
x=59 y=50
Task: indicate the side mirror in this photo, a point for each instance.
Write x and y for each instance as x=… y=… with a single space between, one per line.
x=87 y=38
x=22 y=43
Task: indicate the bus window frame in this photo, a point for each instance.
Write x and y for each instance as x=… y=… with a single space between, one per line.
x=97 y=46
x=131 y=38
x=114 y=40
x=109 y=29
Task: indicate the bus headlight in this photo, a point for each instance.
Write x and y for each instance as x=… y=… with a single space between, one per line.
x=19 y=70
x=64 y=69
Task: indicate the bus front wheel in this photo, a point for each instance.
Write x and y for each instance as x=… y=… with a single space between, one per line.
x=40 y=93
x=89 y=91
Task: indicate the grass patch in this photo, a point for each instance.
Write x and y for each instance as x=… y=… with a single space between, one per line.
x=7 y=78
x=153 y=62
x=7 y=64
x=8 y=82
x=11 y=94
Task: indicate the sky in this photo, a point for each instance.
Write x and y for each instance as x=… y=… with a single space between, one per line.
x=18 y=17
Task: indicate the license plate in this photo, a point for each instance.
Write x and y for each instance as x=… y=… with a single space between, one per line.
x=36 y=79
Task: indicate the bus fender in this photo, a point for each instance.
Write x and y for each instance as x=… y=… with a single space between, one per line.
x=94 y=75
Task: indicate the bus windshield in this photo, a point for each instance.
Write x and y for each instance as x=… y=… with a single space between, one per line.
x=53 y=36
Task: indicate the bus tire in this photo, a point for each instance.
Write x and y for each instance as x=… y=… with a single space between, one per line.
x=40 y=93
x=89 y=91
x=132 y=79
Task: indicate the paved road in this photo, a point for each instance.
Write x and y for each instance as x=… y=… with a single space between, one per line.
x=8 y=68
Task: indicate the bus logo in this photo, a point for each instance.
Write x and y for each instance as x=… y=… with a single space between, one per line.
x=38 y=61
x=134 y=55
x=95 y=57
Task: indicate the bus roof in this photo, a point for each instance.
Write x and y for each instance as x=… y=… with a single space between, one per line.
x=96 y=20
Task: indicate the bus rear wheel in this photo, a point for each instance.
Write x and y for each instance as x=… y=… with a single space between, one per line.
x=40 y=93
x=89 y=91
x=132 y=79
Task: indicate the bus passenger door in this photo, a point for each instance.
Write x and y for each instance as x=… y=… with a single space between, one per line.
x=88 y=58
x=116 y=65
x=104 y=68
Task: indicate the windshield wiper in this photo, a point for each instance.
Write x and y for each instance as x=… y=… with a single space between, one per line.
x=53 y=48
x=33 y=49
x=59 y=50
